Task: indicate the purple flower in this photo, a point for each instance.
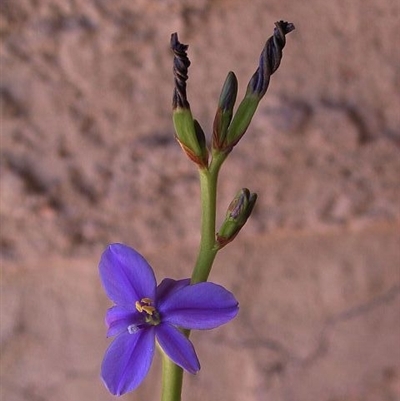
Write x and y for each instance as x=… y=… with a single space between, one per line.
x=145 y=312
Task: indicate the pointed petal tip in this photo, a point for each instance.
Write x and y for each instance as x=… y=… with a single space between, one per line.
x=126 y=275
x=127 y=361
x=178 y=347
x=200 y=306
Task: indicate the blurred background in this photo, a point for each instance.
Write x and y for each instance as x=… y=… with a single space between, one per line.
x=88 y=157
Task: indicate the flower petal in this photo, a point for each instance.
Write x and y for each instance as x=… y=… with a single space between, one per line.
x=126 y=275
x=168 y=286
x=119 y=319
x=199 y=306
x=177 y=346
x=127 y=361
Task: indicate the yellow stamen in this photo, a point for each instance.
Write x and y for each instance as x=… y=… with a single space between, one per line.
x=148 y=309
x=138 y=306
x=147 y=301
x=144 y=305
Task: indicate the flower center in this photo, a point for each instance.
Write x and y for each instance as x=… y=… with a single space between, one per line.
x=146 y=307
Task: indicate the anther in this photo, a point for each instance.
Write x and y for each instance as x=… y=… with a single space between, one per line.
x=144 y=305
x=149 y=309
x=138 y=306
x=147 y=301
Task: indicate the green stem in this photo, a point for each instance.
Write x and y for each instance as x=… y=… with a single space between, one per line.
x=172 y=379
x=208 y=191
x=206 y=253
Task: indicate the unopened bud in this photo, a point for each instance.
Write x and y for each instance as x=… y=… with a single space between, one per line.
x=188 y=131
x=269 y=62
x=241 y=120
x=237 y=214
x=224 y=112
x=190 y=136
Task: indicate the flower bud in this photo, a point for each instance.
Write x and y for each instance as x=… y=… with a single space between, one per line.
x=237 y=214
x=224 y=112
x=188 y=131
x=269 y=62
x=190 y=136
x=241 y=120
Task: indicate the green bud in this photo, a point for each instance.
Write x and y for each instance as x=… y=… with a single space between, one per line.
x=201 y=138
x=224 y=112
x=237 y=214
x=241 y=120
x=190 y=136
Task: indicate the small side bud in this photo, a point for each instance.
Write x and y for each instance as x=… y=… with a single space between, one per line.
x=237 y=214
x=224 y=112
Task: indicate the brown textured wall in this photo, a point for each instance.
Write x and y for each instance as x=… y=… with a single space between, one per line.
x=88 y=158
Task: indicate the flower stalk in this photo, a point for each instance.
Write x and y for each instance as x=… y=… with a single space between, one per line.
x=228 y=129
x=146 y=315
x=172 y=380
x=172 y=374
